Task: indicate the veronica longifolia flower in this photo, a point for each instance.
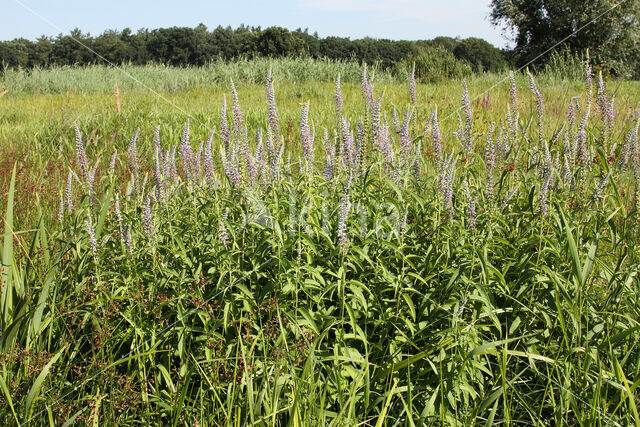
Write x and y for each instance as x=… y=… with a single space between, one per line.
x=93 y=244
x=412 y=86
x=338 y=96
x=81 y=155
x=147 y=218
x=471 y=208
x=273 y=112
x=343 y=215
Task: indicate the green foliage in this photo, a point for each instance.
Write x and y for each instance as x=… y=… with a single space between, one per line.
x=434 y=64
x=522 y=310
x=482 y=55
x=183 y=46
x=564 y=66
x=607 y=28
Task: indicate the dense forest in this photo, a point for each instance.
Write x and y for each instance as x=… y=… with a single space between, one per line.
x=183 y=46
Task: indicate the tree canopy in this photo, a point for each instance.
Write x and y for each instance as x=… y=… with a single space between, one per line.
x=183 y=46
x=610 y=29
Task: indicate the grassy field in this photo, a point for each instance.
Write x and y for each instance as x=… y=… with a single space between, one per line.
x=478 y=266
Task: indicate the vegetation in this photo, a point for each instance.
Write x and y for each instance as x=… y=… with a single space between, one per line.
x=313 y=253
x=179 y=46
x=609 y=29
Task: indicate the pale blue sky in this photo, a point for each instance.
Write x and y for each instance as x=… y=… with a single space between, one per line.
x=393 y=19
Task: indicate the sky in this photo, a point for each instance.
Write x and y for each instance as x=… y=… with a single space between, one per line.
x=391 y=19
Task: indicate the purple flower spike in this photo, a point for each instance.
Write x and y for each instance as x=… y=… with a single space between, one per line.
x=147 y=218
x=412 y=86
x=273 y=113
x=471 y=208
x=238 y=120
x=81 y=155
x=306 y=139
x=133 y=155
x=338 y=97
x=343 y=215
x=208 y=158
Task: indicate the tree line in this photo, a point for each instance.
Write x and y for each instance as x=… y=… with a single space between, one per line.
x=184 y=46
x=539 y=29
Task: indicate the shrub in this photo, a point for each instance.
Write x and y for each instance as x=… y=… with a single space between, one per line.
x=433 y=64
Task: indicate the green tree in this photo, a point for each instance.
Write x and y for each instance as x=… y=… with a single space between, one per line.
x=482 y=55
x=275 y=42
x=610 y=29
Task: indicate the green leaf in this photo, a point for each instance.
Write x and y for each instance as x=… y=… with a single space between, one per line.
x=7 y=254
x=37 y=385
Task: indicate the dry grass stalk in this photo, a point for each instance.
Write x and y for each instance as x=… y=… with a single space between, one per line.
x=117 y=90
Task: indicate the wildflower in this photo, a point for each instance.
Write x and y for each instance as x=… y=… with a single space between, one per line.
x=118 y=213
x=347 y=144
x=513 y=93
x=223 y=235
x=81 y=155
x=412 y=86
x=61 y=209
x=147 y=218
x=231 y=169
x=385 y=146
x=501 y=146
x=224 y=127
x=446 y=183
x=208 y=159
x=602 y=100
x=507 y=199
x=126 y=236
x=597 y=194
x=367 y=88
x=376 y=119
x=133 y=155
x=276 y=157
x=436 y=137
x=343 y=215
x=539 y=105
x=403 y=223
x=543 y=197
x=471 y=208
x=396 y=123
x=93 y=244
x=305 y=135
x=588 y=80
x=468 y=119
x=238 y=120
x=112 y=163
x=157 y=171
x=416 y=165
x=186 y=153
x=68 y=200
x=273 y=113
x=405 y=140
x=486 y=99
x=329 y=154
x=582 y=150
x=338 y=97
x=359 y=160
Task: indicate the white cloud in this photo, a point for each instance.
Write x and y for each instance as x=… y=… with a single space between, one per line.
x=430 y=11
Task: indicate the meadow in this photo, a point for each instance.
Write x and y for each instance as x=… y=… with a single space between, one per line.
x=301 y=242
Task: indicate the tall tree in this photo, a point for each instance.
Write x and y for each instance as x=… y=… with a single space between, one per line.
x=610 y=29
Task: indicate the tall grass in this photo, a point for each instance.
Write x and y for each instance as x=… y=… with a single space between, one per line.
x=103 y=78
x=481 y=270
